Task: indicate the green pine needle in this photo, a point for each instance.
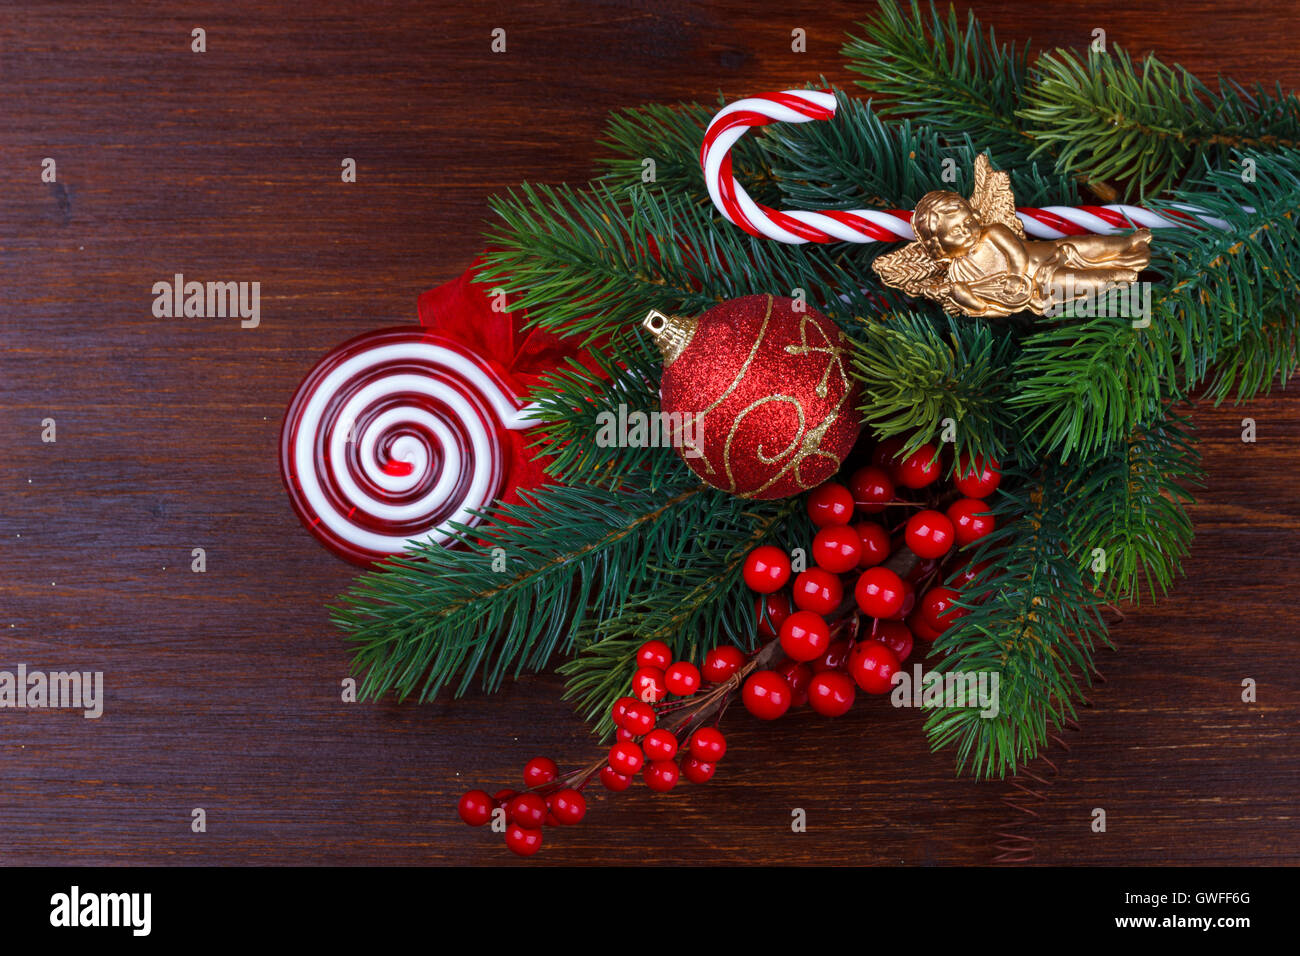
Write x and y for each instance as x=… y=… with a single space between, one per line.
x=921 y=381
x=1146 y=123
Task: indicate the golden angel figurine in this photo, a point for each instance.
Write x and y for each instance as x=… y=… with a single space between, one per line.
x=973 y=257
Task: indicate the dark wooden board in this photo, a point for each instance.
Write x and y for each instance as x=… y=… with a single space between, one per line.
x=223 y=687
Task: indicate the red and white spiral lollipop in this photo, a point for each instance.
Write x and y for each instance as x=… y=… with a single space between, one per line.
x=392 y=437
x=798 y=226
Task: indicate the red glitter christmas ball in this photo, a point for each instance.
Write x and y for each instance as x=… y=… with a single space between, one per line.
x=757 y=394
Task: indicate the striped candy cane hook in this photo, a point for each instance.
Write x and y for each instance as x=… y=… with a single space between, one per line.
x=798 y=226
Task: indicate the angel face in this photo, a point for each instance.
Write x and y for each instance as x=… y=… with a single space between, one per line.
x=953 y=226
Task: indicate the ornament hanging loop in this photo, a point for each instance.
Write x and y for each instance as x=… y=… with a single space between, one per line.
x=671 y=333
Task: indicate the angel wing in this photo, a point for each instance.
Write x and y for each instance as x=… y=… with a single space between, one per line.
x=992 y=198
x=913 y=270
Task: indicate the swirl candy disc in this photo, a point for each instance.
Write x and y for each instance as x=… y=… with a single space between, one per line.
x=393 y=436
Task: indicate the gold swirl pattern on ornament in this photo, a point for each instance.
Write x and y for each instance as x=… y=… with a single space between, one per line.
x=735 y=383
x=735 y=427
x=808 y=441
x=832 y=349
x=744 y=368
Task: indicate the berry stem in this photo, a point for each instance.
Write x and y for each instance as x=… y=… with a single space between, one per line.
x=691 y=714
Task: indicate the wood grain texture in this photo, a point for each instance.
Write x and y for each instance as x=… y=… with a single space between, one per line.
x=223 y=687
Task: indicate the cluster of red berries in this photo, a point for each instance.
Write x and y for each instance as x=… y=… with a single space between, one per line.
x=547 y=800
x=656 y=752
x=828 y=643
x=848 y=623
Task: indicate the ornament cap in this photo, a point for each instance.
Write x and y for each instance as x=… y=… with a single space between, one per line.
x=672 y=333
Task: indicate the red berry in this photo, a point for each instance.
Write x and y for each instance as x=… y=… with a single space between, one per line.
x=921 y=468
x=929 y=534
x=568 y=806
x=830 y=693
x=924 y=568
x=721 y=662
x=916 y=624
x=659 y=745
x=885 y=455
x=873 y=667
x=524 y=841
x=909 y=602
x=540 y=771
x=708 y=744
x=879 y=592
x=837 y=548
x=503 y=797
x=614 y=781
x=767 y=568
x=622 y=733
x=797 y=675
x=682 y=679
x=766 y=695
x=830 y=504
x=967 y=573
x=896 y=636
x=805 y=636
x=970 y=520
x=818 y=591
x=528 y=810
x=872 y=489
x=475 y=808
x=648 y=685
x=778 y=609
x=978 y=478
x=638 y=718
x=619 y=708
x=661 y=776
x=697 y=770
x=836 y=656
x=654 y=654
x=626 y=758
x=875 y=543
x=938 y=609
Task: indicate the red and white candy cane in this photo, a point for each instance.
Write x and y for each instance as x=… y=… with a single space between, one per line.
x=393 y=436
x=868 y=225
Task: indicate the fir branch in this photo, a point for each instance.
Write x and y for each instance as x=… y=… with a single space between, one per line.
x=516 y=590
x=859 y=161
x=698 y=602
x=961 y=82
x=914 y=376
x=1130 y=522
x=1036 y=625
x=671 y=136
x=1219 y=284
x=1106 y=117
x=1267 y=353
x=1081 y=388
x=589 y=263
x=575 y=404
